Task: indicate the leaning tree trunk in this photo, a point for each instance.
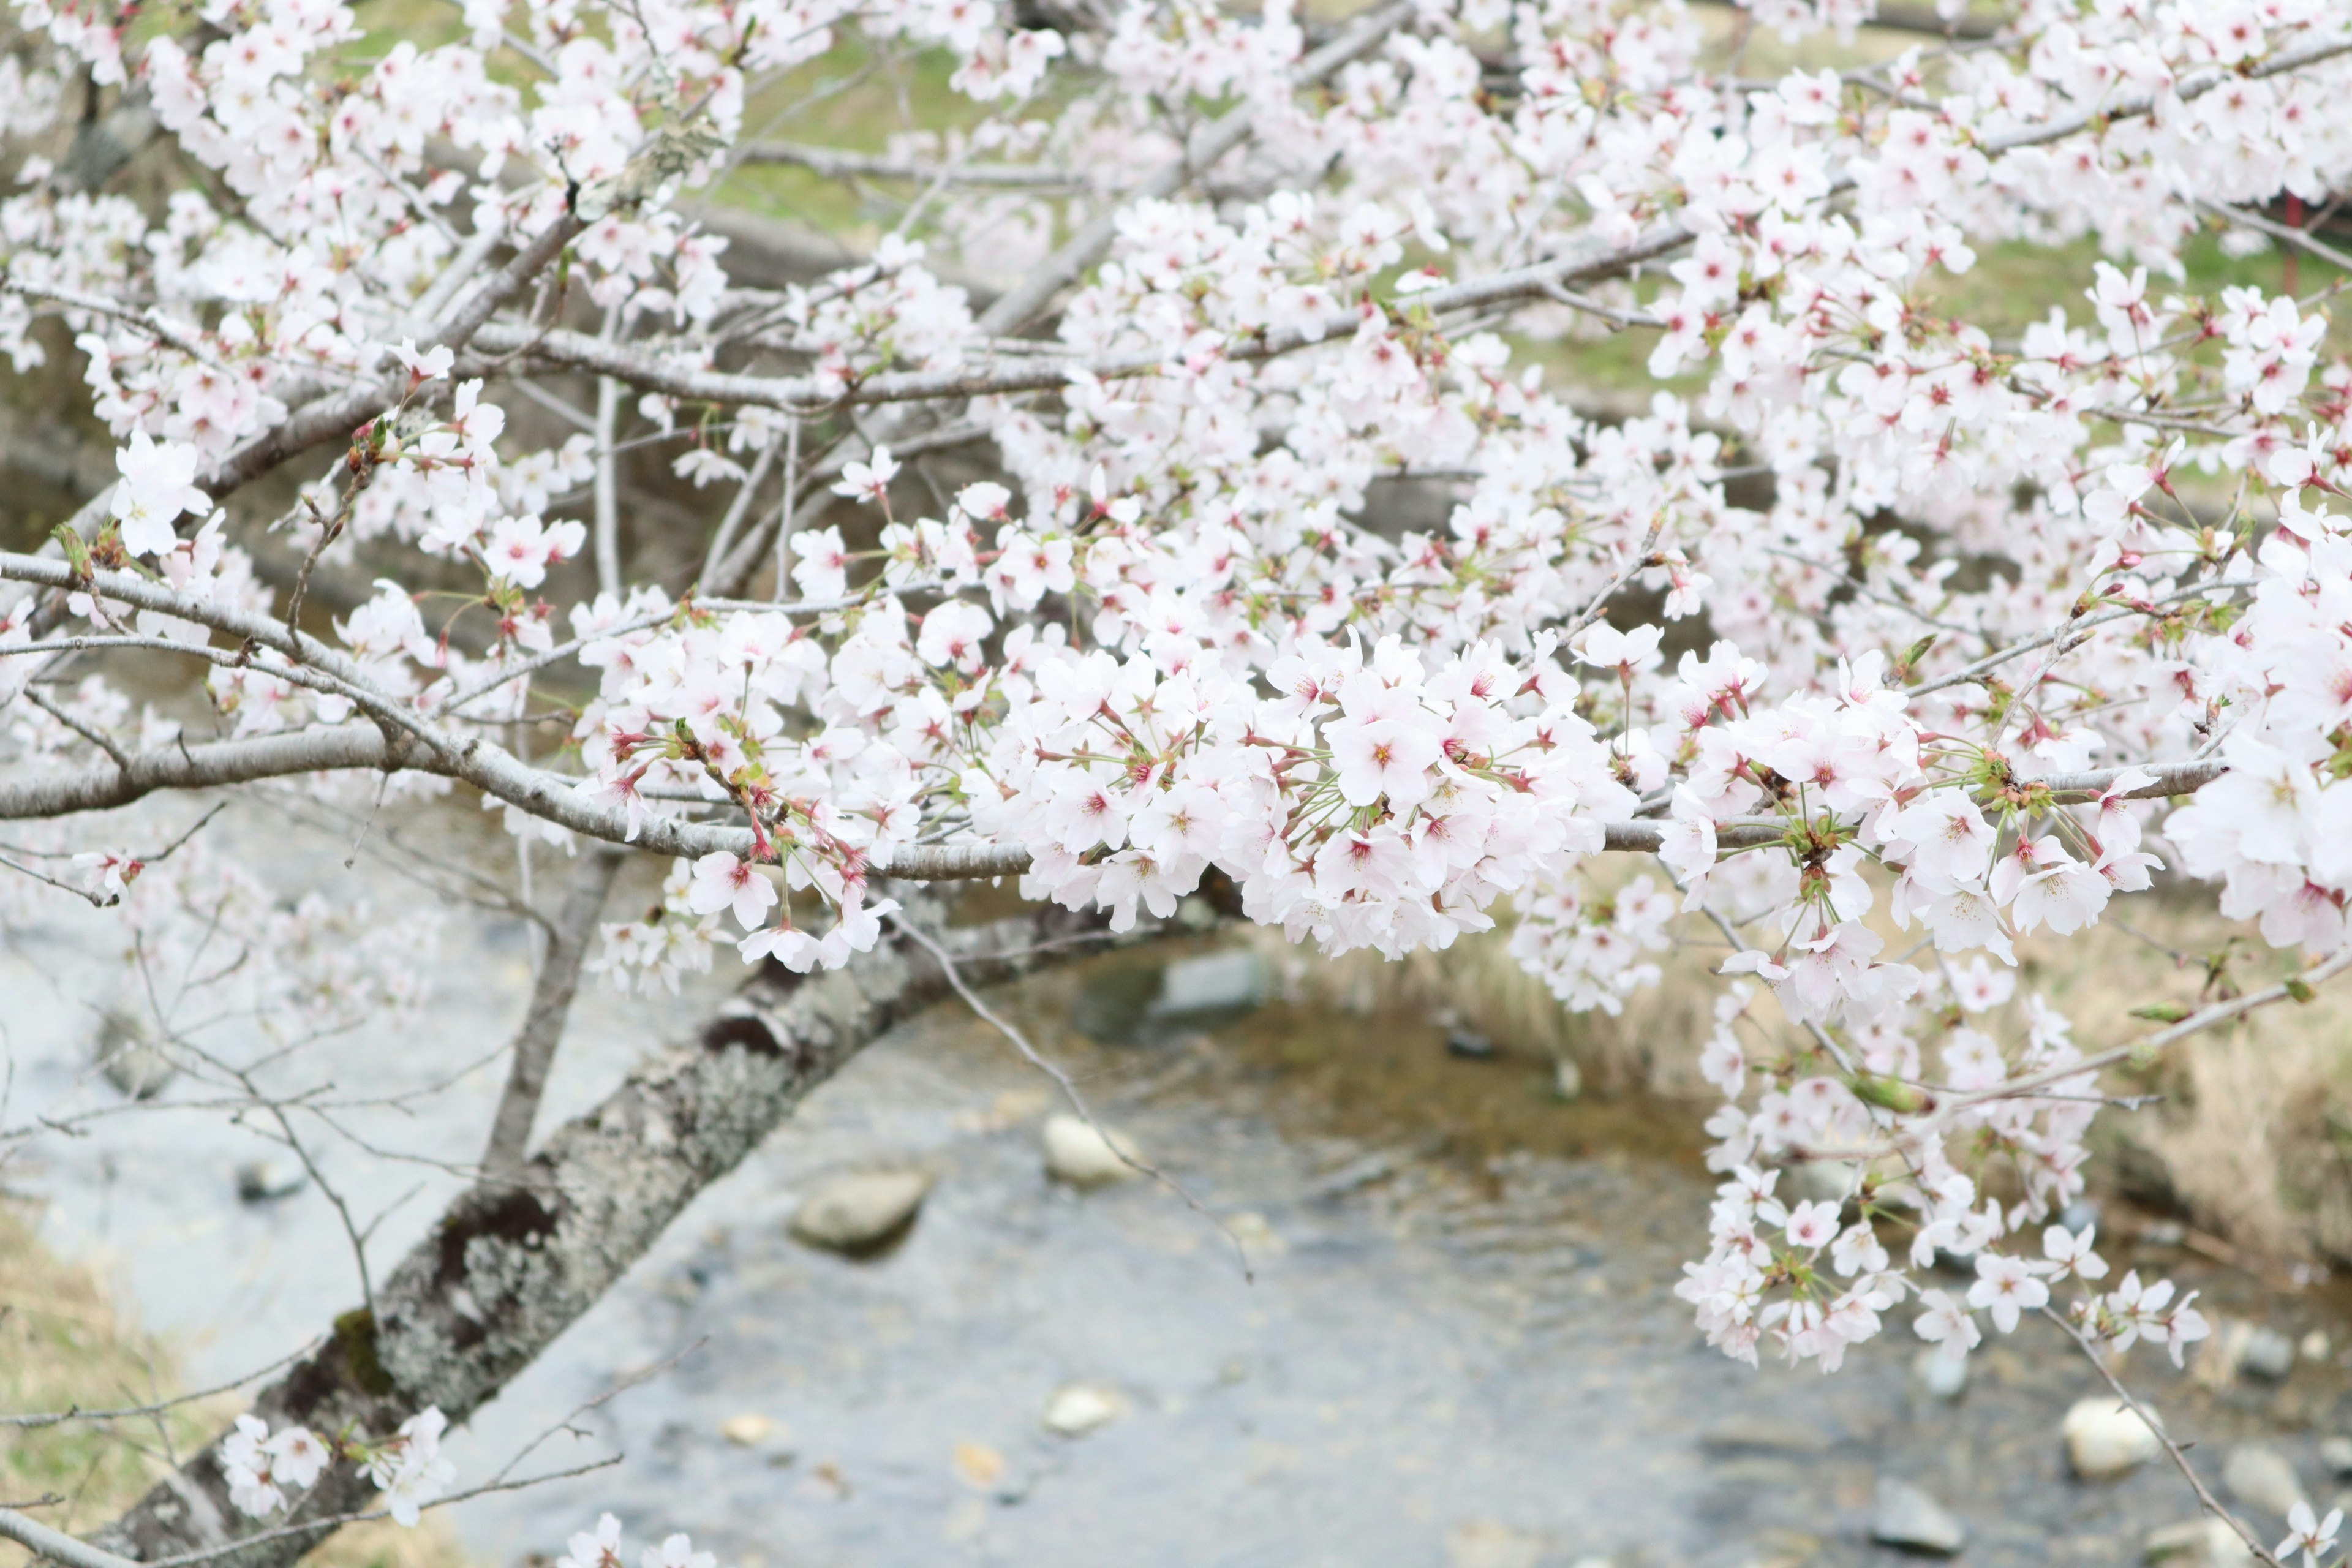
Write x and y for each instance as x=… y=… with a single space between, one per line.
x=513 y=1263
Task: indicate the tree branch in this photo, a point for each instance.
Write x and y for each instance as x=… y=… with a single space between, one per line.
x=511 y=1265
x=550 y=1004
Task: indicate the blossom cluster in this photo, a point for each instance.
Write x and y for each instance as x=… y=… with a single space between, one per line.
x=1287 y=562
x=261 y=1465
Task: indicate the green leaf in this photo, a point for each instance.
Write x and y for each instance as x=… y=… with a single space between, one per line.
x=2161 y=1012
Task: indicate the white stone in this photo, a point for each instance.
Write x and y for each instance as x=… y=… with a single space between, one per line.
x=1902 y=1515
x=752 y=1430
x=1941 y=1377
x=1567 y=1078
x=1076 y=1153
x=858 y=1212
x=1490 y=1545
x=2263 y=1479
x=2104 y=1439
x=1078 y=1408
x=2196 y=1544
x=2335 y=1453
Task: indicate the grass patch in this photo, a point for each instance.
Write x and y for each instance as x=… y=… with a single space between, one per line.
x=63 y=1344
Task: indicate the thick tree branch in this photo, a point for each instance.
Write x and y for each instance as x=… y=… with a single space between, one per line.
x=510 y=1265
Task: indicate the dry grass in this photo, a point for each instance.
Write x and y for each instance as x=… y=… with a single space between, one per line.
x=63 y=1343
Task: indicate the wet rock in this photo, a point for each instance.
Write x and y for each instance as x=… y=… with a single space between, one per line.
x=262 y=1181
x=1256 y=1234
x=1941 y=1376
x=2164 y=1233
x=1078 y=1408
x=1488 y=1546
x=2335 y=1453
x=2079 y=1215
x=1902 y=1515
x=1765 y=1434
x=2204 y=1543
x=131 y=1058
x=1211 y=983
x=2315 y=1346
x=2262 y=1479
x=862 y=1213
x=1470 y=1046
x=2104 y=1439
x=1077 y=1154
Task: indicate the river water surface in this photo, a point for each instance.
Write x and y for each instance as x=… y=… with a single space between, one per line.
x=1454 y=1343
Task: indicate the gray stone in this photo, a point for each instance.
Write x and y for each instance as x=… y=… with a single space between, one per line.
x=131 y=1058
x=260 y=1181
x=2263 y=1479
x=2266 y=1353
x=1941 y=1376
x=2104 y=1439
x=860 y=1213
x=1211 y=983
x=1470 y=1046
x=1902 y=1515
x=2335 y=1453
x=1767 y=1434
x=1077 y=1154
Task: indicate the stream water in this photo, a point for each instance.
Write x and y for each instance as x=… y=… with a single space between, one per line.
x=1455 y=1343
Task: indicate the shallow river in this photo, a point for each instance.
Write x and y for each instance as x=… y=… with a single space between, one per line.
x=1455 y=1345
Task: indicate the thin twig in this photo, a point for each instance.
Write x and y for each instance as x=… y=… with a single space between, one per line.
x=1037 y=1059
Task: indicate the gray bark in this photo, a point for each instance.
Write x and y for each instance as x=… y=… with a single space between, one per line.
x=510 y=1265
x=550 y=1004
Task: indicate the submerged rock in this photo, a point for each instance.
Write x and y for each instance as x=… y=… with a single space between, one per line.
x=861 y=1213
x=1765 y=1434
x=1082 y=1157
x=1941 y=1376
x=2335 y=1453
x=2104 y=1439
x=1078 y=1408
x=1902 y=1515
x=2266 y=1353
x=2205 y=1542
x=1470 y=1046
x=260 y=1181
x=1490 y=1545
x=2262 y=1479
x=1211 y=983
x=131 y=1058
